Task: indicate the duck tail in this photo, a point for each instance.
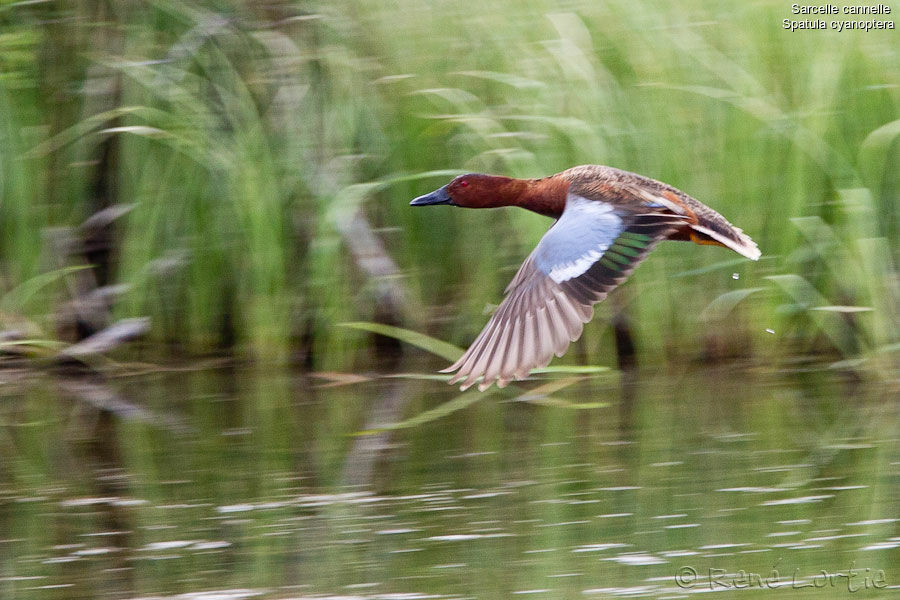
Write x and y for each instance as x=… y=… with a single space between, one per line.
x=731 y=237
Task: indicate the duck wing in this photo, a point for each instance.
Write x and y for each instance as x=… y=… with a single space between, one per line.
x=591 y=249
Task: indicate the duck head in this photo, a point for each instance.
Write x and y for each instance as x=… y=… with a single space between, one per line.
x=473 y=190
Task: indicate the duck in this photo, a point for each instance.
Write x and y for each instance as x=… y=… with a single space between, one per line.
x=606 y=222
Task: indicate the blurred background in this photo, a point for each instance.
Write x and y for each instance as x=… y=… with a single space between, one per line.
x=220 y=320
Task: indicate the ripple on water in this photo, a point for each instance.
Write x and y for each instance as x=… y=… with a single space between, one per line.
x=640 y=590
x=398 y=531
x=888 y=545
x=754 y=490
x=637 y=559
x=871 y=522
x=599 y=547
x=464 y=537
x=235 y=594
x=800 y=500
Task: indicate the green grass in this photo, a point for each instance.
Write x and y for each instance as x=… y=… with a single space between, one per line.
x=240 y=136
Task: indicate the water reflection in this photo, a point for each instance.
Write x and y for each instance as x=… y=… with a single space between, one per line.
x=221 y=484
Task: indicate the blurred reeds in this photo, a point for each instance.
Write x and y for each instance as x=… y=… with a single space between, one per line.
x=239 y=139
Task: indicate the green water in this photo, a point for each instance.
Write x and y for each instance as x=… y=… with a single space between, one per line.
x=238 y=484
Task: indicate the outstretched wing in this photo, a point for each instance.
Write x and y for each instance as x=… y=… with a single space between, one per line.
x=591 y=249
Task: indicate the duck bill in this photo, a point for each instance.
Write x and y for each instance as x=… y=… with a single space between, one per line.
x=439 y=196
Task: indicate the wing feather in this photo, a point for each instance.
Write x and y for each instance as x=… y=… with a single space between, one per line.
x=553 y=293
x=528 y=355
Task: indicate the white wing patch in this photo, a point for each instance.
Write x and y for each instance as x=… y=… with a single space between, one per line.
x=574 y=269
x=578 y=239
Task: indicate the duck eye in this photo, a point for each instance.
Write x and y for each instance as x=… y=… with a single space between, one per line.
x=463 y=183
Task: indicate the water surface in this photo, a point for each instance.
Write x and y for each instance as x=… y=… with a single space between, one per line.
x=247 y=484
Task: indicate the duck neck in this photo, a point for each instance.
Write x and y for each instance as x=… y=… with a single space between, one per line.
x=546 y=196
